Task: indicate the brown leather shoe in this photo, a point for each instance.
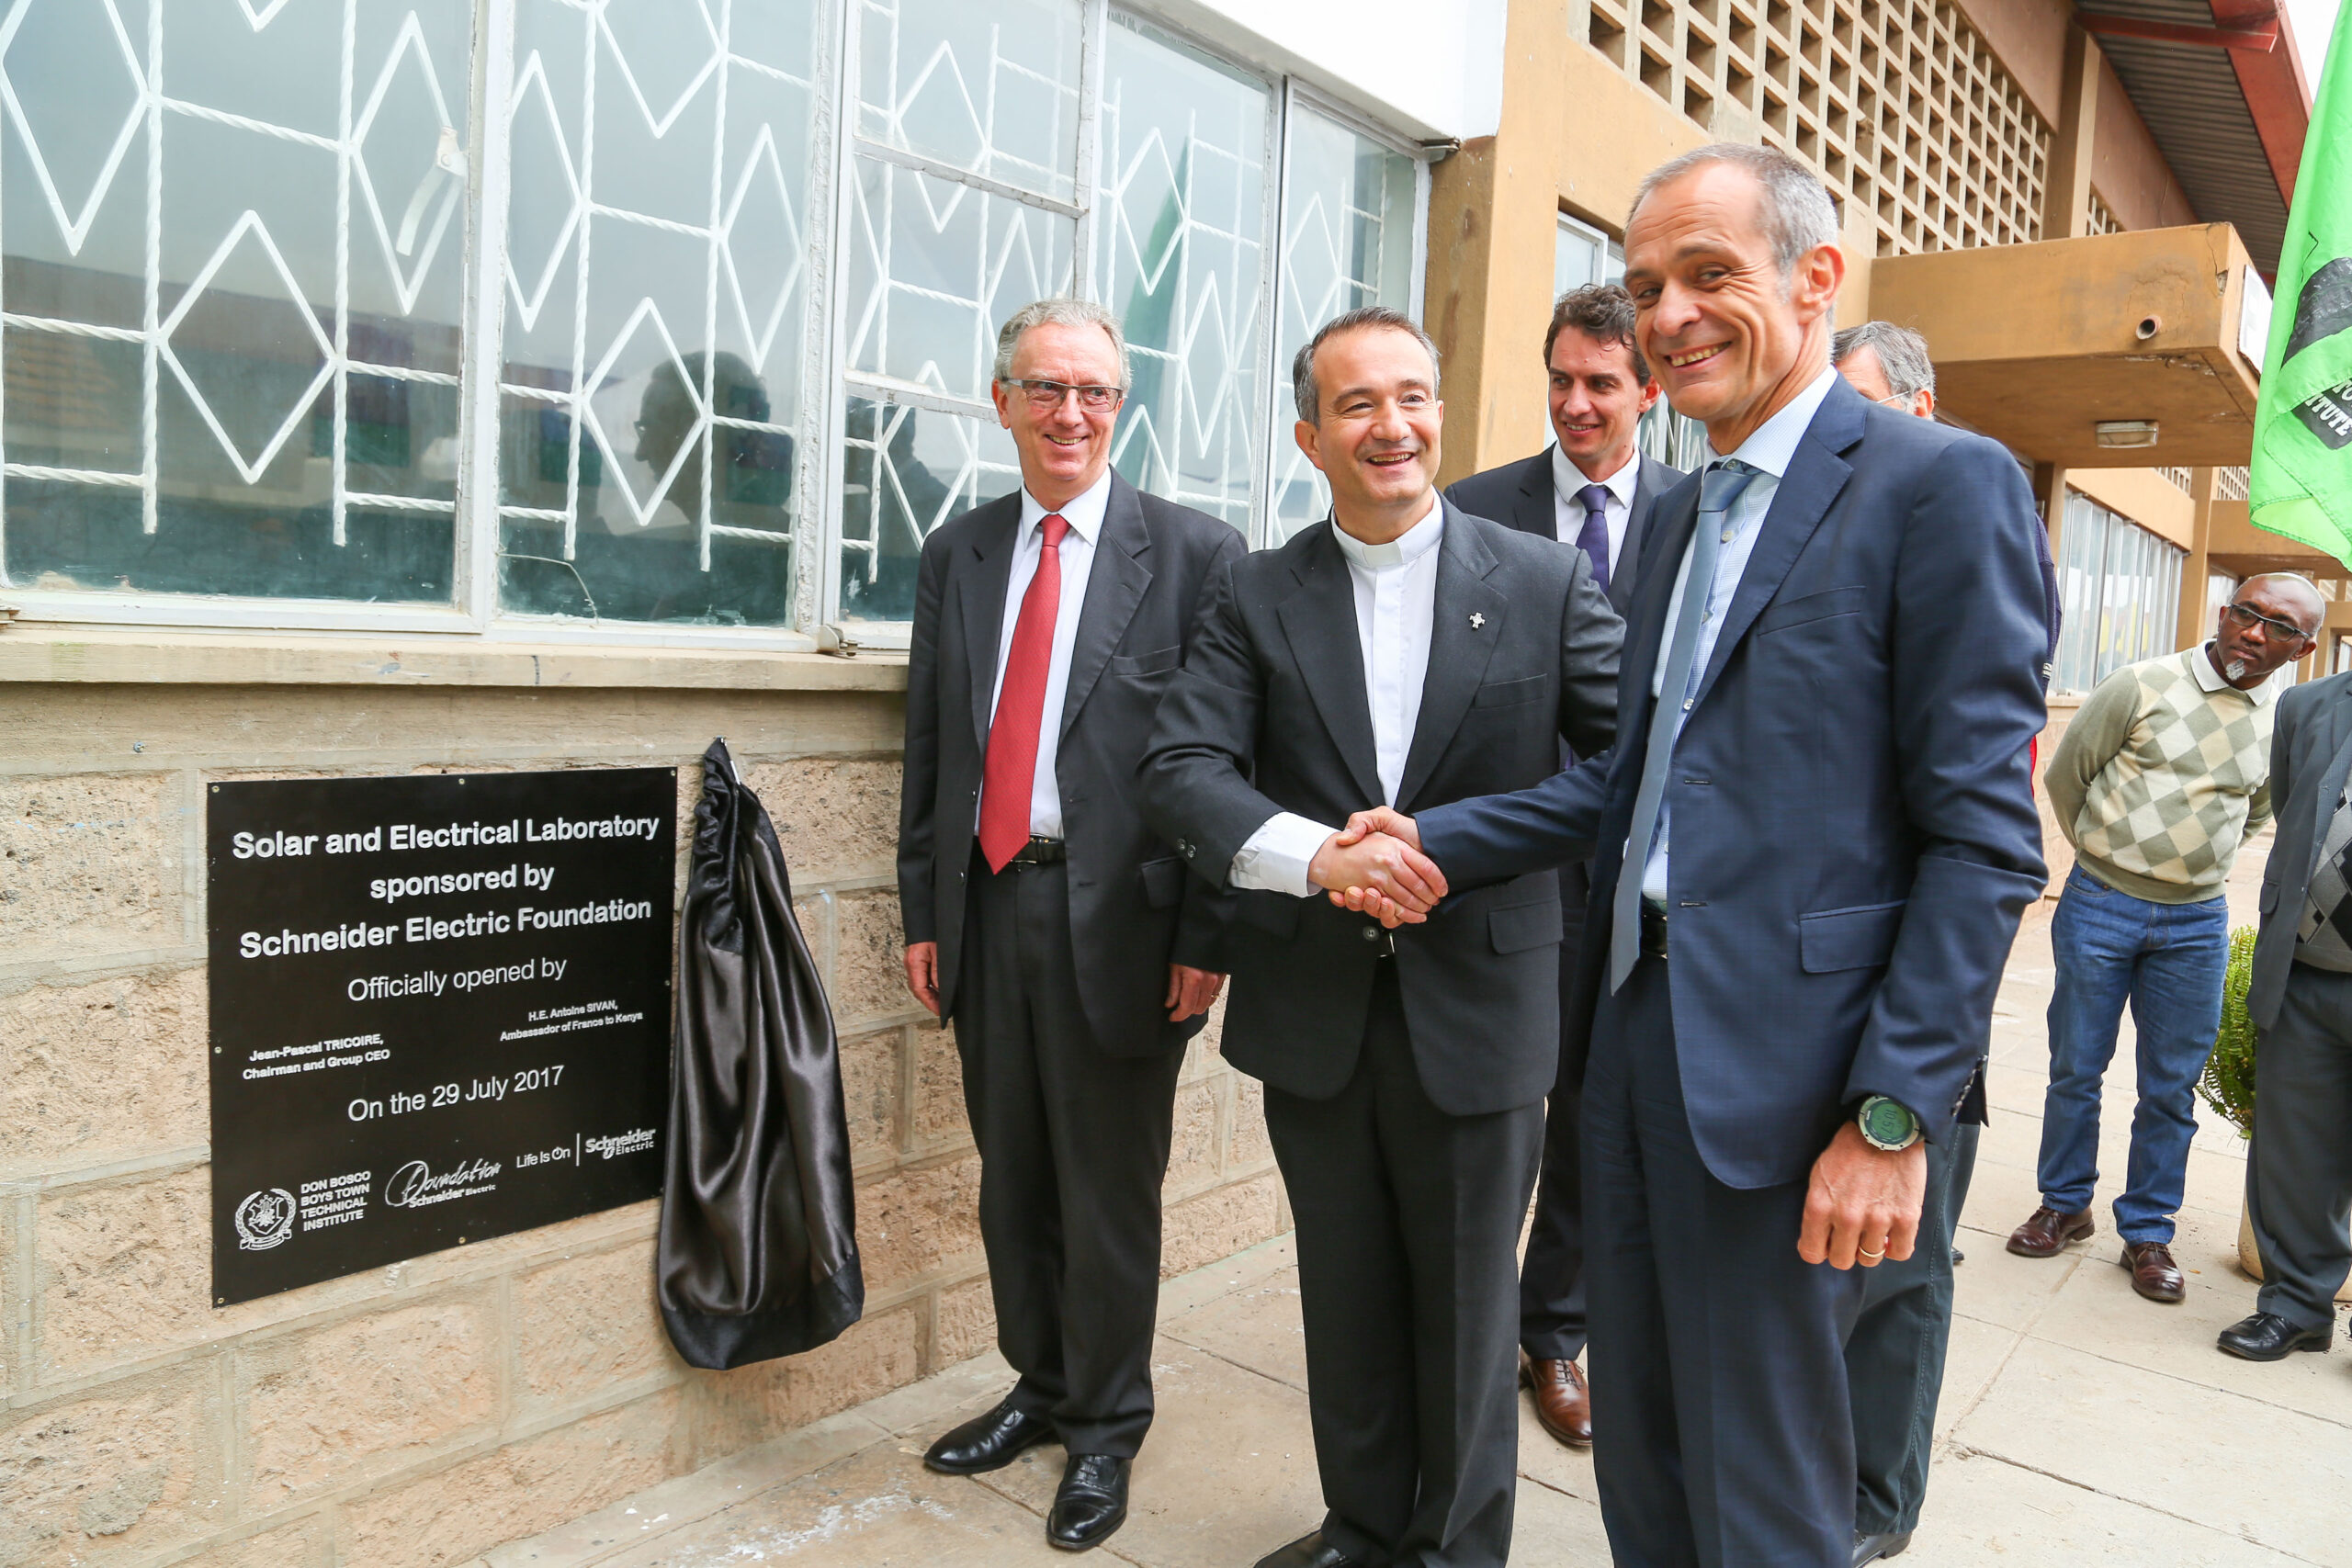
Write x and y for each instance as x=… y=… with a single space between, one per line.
x=2154 y=1273
x=2047 y=1231
x=1563 y=1404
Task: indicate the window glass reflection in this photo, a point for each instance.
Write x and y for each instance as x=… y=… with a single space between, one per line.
x=935 y=267
x=990 y=87
x=905 y=472
x=648 y=436
x=1346 y=242
x=268 y=407
x=2120 y=586
x=1181 y=248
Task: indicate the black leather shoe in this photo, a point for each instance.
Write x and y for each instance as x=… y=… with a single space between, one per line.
x=1871 y=1548
x=1308 y=1552
x=988 y=1442
x=2267 y=1337
x=1091 y=1504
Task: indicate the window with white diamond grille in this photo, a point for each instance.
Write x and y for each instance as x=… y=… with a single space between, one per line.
x=232 y=301
x=694 y=332
x=1349 y=224
x=650 y=364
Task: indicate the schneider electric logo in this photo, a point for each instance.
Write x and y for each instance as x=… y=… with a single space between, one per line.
x=265 y=1219
x=414 y=1185
x=635 y=1141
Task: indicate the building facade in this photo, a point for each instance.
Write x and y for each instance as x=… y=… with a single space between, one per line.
x=458 y=386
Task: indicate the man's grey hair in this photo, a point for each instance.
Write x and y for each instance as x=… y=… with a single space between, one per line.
x=1798 y=212
x=1308 y=395
x=1061 y=311
x=1902 y=353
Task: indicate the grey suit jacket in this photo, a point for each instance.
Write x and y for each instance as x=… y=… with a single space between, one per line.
x=1270 y=714
x=1520 y=495
x=1132 y=910
x=2311 y=753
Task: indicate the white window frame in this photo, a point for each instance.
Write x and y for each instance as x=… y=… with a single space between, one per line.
x=474 y=613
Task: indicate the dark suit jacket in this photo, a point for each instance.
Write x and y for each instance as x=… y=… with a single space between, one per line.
x=1520 y=494
x=2311 y=752
x=1853 y=838
x=1270 y=714
x=1133 y=911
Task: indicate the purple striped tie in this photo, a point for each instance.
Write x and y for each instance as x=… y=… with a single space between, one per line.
x=1593 y=539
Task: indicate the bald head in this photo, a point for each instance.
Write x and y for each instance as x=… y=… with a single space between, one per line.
x=2271 y=620
x=2291 y=587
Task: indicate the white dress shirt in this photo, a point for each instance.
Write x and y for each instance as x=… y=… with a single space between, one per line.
x=1616 y=512
x=1084 y=515
x=1396 y=595
x=1769 y=449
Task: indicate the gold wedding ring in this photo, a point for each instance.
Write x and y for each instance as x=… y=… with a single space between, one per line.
x=1873 y=1256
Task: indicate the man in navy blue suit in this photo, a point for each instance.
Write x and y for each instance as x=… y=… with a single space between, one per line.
x=1811 y=843
x=1594 y=490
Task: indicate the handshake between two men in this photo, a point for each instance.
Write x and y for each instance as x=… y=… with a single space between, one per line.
x=1374 y=867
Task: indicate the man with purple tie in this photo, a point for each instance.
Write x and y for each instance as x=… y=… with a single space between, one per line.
x=1592 y=489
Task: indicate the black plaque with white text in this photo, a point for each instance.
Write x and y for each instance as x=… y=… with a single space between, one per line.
x=440 y=1011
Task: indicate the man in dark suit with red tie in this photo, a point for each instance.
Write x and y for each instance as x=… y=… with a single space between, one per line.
x=1593 y=489
x=1055 y=930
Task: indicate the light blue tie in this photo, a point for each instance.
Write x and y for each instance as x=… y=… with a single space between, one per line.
x=1718 y=488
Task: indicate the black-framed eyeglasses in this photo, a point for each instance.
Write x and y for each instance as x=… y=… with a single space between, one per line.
x=1044 y=396
x=2271 y=625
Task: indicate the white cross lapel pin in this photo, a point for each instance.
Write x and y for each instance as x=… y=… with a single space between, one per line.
x=1476 y=620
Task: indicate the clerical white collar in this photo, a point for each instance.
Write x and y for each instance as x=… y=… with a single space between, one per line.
x=1410 y=545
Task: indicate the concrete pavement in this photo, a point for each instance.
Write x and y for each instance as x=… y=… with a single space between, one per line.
x=2078 y=1424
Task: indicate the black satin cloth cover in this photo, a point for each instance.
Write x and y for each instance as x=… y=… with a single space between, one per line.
x=758 y=1255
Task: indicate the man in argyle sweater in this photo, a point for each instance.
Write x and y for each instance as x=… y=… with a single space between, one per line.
x=2161 y=777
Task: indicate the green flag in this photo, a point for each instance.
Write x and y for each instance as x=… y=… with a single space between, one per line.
x=2301 y=480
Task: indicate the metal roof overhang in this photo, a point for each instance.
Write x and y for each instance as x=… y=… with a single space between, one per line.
x=2218 y=86
x=2037 y=345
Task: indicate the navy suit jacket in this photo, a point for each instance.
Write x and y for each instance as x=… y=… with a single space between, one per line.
x=1853 y=836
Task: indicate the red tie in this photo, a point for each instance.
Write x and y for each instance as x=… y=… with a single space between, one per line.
x=1010 y=772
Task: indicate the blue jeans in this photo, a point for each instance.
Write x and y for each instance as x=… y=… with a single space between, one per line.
x=2168 y=960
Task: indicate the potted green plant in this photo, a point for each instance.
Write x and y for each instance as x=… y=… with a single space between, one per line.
x=2228 y=1081
x=2227 y=1084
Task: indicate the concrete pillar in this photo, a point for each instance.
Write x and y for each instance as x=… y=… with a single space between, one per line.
x=2194 y=617
x=2050 y=496
x=1494 y=213
x=2066 y=191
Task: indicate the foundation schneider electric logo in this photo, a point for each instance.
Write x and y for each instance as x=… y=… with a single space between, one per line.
x=265 y=1219
x=415 y=1185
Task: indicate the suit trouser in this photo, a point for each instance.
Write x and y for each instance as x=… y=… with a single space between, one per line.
x=2299 y=1175
x=1894 y=1357
x=1718 y=1366
x=1551 y=1278
x=1073 y=1147
x=1408 y=1224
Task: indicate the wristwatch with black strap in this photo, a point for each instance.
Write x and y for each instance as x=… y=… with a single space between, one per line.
x=1886 y=1124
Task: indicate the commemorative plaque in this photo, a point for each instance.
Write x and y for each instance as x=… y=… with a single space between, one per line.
x=440 y=1011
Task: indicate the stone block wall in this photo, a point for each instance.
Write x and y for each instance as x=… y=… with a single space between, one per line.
x=417 y=1414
